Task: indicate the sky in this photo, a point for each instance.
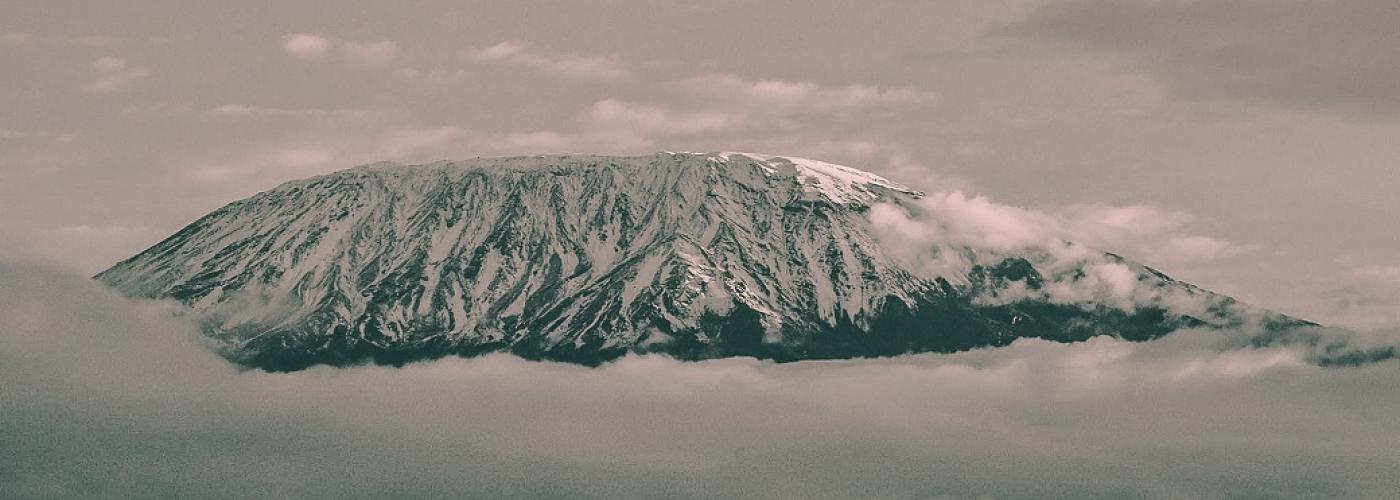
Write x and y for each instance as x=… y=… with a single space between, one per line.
x=1247 y=146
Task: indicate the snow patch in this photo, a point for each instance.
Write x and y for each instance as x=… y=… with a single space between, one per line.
x=837 y=183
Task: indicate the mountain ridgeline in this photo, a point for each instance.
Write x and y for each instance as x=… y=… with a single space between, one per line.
x=587 y=258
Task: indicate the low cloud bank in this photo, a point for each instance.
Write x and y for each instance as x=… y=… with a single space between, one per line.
x=106 y=398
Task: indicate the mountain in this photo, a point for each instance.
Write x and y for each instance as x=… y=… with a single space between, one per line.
x=587 y=258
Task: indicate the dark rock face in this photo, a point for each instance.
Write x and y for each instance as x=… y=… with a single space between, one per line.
x=585 y=259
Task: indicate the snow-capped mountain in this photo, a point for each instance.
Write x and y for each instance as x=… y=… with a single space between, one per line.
x=586 y=258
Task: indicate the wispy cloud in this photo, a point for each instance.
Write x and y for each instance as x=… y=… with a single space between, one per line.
x=92 y=41
x=245 y=110
x=359 y=54
x=15 y=38
x=61 y=137
x=571 y=65
x=293 y=160
x=306 y=45
x=404 y=142
x=635 y=124
x=543 y=141
x=1387 y=273
x=114 y=74
x=370 y=54
x=807 y=96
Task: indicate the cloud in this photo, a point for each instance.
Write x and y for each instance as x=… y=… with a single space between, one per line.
x=306 y=45
x=947 y=233
x=14 y=38
x=726 y=106
x=571 y=65
x=617 y=126
x=612 y=113
x=1137 y=220
x=543 y=141
x=1197 y=248
x=114 y=74
x=1357 y=306
x=1331 y=56
x=370 y=54
x=807 y=96
x=86 y=229
x=904 y=167
x=61 y=137
x=431 y=76
x=1387 y=273
x=92 y=41
x=631 y=125
x=1146 y=232
x=94 y=238
x=501 y=51
x=302 y=158
x=230 y=110
x=410 y=141
x=352 y=53
x=107 y=398
x=207 y=172
x=848 y=149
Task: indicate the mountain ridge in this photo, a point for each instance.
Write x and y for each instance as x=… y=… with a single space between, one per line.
x=585 y=258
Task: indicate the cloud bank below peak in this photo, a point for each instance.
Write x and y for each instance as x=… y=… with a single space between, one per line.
x=108 y=398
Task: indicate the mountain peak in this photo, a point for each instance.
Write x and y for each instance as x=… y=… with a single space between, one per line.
x=585 y=258
x=836 y=182
x=819 y=180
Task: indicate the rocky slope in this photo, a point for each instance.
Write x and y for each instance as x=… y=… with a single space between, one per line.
x=586 y=258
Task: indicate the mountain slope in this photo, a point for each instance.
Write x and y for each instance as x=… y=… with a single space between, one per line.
x=584 y=258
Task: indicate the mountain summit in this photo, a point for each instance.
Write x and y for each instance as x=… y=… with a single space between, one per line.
x=587 y=258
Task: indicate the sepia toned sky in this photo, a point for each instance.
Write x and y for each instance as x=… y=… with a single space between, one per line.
x=1256 y=143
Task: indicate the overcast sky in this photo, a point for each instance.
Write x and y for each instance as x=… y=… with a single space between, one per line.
x=1257 y=141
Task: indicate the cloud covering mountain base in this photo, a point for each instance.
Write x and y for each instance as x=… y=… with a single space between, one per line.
x=108 y=398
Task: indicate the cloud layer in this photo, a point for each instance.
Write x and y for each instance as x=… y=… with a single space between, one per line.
x=105 y=398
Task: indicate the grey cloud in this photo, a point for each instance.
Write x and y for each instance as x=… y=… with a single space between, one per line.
x=106 y=398
x=1334 y=56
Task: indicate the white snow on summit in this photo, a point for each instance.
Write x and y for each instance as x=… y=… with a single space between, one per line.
x=838 y=183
